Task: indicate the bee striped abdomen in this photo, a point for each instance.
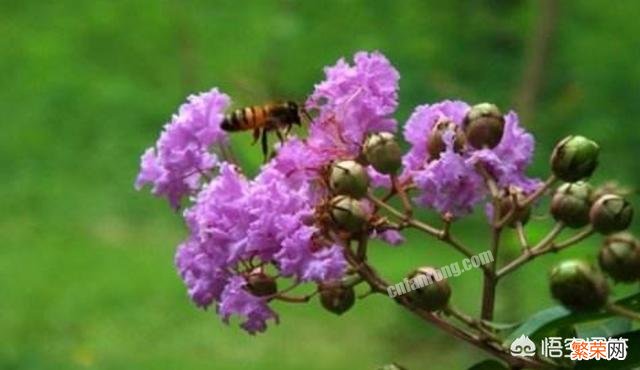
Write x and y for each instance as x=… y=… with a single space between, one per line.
x=243 y=119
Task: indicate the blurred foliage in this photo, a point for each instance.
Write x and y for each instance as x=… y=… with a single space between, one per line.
x=86 y=269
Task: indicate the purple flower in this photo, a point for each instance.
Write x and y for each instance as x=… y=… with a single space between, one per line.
x=182 y=154
x=352 y=102
x=420 y=124
x=235 y=300
x=297 y=258
x=204 y=279
x=392 y=237
x=451 y=183
x=237 y=225
x=219 y=219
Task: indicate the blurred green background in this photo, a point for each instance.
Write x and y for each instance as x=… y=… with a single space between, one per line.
x=86 y=263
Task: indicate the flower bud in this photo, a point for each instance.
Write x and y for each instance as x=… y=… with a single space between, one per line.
x=348 y=178
x=484 y=126
x=261 y=284
x=571 y=204
x=620 y=257
x=348 y=213
x=579 y=286
x=574 y=158
x=431 y=294
x=436 y=143
x=611 y=213
x=507 y=202
x=383 y=152
x=336 y=297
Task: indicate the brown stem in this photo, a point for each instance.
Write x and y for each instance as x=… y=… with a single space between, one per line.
x=545 y=246
x=406 y=203
x=522 y=237
x=623 y=311
x=442 y=234
x=379 y=285
x=489 y=283
x=472 y=323
x=539 y=192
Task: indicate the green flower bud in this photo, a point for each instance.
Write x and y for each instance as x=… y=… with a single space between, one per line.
x=336 y=297
x=620 y=257
x=261 y=284
x=433 y=295
x=574 y=158
x=571 y=204
x=484 y=126
x=507 y=203
x=611 y=213
x=348 y=178
x=348 y=214
x=579 y=286
x=435 y=141
x=383 y=152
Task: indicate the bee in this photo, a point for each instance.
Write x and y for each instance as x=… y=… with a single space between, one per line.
x=262 y=119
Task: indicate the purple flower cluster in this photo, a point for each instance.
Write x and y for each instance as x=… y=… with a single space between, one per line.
x=182 y=155
x=352 y=102
x=273 y=222
x=237 y=225
x=451 y=183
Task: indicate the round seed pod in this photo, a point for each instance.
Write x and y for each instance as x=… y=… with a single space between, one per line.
x=507 y=203
x=574 y=158
x=336 y=297
x=436 y=143
x=619 y=257
x=348 y=213
x=611 y=213
x=579 y=286
x=261 y=284
x=348 y=178
x=433 y=295
x=571 y=204
x=484 y=126
x=383 y=153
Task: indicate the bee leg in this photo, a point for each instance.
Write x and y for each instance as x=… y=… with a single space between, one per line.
x=287 y=130
x=281 y=136
x=256 y=135
x=265 y=145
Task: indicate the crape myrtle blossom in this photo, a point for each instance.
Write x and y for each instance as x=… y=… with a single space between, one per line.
x=352 y=102
x=277 y=221
x=174 y=166
x=236 y=222
x=451 y=183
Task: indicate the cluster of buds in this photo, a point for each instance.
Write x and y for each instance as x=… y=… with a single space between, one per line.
x=348 y=183
x=576 y=284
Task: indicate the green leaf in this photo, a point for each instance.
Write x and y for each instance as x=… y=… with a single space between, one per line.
x=488 y=365
x=547 y=322
x=604 y=328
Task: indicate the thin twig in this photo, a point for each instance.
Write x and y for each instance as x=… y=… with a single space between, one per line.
x=623 y=311
x=539 y=192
